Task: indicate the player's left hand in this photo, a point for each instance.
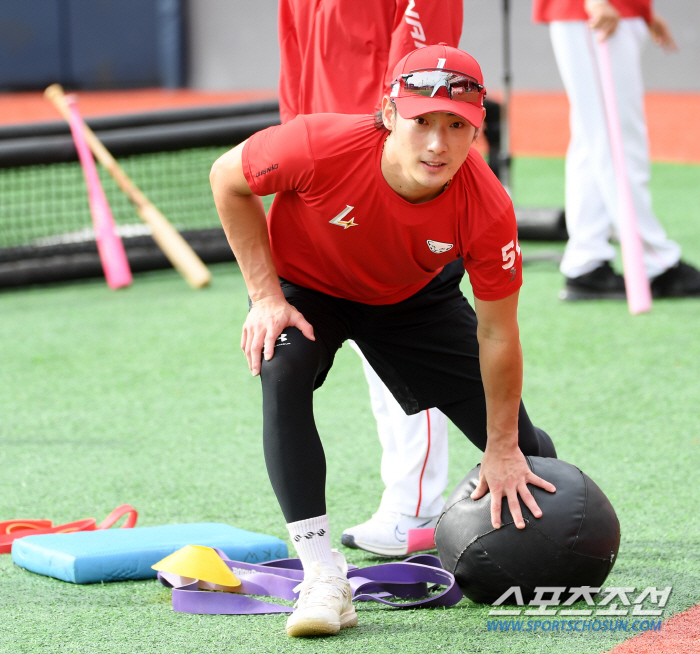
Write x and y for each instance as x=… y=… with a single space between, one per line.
x=504 y=472
x=661 y=34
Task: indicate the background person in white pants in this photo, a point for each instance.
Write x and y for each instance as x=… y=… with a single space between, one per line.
x=414 y=471
x=322 y=46
x=591 y=204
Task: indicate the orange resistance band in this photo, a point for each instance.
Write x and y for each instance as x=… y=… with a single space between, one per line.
x=10 y=530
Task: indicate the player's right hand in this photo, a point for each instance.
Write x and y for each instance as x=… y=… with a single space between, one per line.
x=266 y=320
x=505 y=474
x=603 y=18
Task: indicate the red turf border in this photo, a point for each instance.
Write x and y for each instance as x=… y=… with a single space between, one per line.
x=31 y=106
x=679 y=635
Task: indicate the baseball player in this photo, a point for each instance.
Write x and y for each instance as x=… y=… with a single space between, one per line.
x=591 y=205
x=319 y=42
x=367 y=217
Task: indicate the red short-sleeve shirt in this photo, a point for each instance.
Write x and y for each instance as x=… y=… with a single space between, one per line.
x=337 y=227
x=547 y=11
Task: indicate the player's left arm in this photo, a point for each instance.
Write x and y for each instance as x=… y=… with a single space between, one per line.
x=661 y=34
x=504 y=470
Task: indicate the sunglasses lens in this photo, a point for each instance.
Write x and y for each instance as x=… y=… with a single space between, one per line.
x=425 y=82
x=465 y=91
x=429 y=83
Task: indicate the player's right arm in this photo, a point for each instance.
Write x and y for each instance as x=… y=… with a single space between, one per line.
x=243 y=218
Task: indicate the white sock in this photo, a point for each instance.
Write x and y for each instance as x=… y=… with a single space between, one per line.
x=312 y=541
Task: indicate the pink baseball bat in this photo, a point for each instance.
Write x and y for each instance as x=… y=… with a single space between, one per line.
x=636 y=280
x=109 y=245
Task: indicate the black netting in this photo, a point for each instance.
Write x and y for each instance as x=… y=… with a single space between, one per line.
x=47 y=205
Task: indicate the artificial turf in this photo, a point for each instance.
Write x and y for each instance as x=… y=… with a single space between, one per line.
x=142 y=396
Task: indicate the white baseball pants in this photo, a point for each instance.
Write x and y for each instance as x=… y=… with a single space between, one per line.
x=414 y=452
x=591 y=193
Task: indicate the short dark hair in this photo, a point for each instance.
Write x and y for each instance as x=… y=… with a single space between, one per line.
x=379 y=120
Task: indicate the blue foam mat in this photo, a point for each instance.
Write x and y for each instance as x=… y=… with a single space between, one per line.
x=122 y=554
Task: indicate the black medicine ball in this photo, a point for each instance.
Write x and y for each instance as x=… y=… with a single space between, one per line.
x=574 y=543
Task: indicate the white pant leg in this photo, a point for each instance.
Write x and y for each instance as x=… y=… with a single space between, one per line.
x=587 y=218
x=414 y=452
x=591 y=193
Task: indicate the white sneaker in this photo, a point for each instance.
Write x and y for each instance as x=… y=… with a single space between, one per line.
x=392 y=534
x=325 y=605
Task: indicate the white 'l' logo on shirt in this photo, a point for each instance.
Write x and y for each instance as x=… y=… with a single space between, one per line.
x=338 y=220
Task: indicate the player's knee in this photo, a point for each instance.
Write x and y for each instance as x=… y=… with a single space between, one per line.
x=534 y=441
x=546 y=446
x=294 y=361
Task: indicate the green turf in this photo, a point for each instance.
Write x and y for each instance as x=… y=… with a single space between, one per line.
x=142 y=396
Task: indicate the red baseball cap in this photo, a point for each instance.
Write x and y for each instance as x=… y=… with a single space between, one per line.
x=435 y=58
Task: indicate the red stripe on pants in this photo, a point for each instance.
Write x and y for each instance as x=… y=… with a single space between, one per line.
x=425 y=462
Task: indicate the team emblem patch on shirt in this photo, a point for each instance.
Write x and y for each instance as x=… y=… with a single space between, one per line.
x=439 y=248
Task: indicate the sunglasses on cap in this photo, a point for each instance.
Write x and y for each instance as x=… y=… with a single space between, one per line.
x=426 y=82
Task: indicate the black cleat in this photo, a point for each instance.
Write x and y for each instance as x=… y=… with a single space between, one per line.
x=602 y=283
x=683 y=280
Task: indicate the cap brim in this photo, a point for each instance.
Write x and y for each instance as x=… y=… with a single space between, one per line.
x=410 y=107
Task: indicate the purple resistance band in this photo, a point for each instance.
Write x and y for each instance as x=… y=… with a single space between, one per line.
x=413 y=579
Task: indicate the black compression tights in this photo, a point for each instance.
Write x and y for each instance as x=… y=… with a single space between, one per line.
x=294 y=455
